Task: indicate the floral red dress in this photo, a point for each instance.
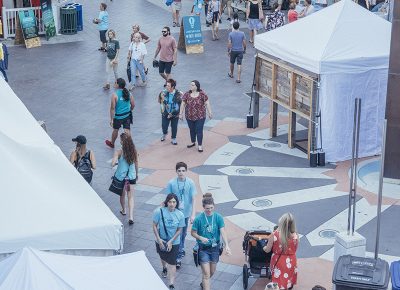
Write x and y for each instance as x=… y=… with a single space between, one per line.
x=284 y=268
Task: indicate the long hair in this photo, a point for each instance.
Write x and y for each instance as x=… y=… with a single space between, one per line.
x=122 y=85
x=197 y=84
x=128 y=149
x=286 y=228
x=80 y=150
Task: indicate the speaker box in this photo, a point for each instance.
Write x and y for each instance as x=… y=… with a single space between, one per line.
x=321 y=158
x=250 y=121
x=313 y=159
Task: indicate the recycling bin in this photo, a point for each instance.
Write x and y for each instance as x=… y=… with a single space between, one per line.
x=358 y=273
x=395 y=273
x=79 y=15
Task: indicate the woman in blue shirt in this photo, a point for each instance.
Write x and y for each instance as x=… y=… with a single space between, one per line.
x=207 y=229
x=170 y=101
x=127 y=159
x=168 y=222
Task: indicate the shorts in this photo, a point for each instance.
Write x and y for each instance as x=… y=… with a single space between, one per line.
x=165 y=67
x=176 y=6
x=125 y=123
x=236 y=55
x=103 y=38
x=255 y=24
x=132 y=181
x=215 y=17
x=209 y=255
x=168 y=257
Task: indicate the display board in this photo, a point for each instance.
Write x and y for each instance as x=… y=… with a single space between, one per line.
x=290 y=88
x=48 y=19
x=191 y=37
x=29 y=28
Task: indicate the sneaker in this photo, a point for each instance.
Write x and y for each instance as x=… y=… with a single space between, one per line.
x=178 y=264
x=183 y=253
x=164 y=272
x=173 y=142
x=109 y=144
x=171 y=286
x=162 y=138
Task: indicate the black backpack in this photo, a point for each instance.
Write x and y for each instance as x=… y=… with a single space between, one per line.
x=84 y=167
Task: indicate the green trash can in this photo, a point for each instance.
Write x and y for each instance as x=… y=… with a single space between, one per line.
x=69 y=19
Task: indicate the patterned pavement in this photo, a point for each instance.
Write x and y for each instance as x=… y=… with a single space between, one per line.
x=254 y=179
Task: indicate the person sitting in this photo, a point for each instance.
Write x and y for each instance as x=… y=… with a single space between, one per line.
x=276 y=19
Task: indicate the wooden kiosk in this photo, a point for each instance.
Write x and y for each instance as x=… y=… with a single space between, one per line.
x=292 y=88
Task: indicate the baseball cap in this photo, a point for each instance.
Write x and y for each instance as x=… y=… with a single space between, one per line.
x=80 y=139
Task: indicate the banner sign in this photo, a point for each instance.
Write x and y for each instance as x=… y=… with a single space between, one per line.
x=27 y=20
x=48 y=19
x=192 y=30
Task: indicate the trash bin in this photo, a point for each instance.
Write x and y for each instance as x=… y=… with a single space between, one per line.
x=79 y=15
x=68 y=20
x=357 y=273
x=395 y=273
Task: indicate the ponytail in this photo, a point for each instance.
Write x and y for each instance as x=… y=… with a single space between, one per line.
x=125 y=94
x=122 y=85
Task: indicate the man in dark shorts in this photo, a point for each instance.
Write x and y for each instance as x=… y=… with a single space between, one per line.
x=167 y=49
x=236 y=49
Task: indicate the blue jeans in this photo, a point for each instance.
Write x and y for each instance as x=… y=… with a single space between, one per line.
x=196 y=130
x=183 y=236
x=4 y=74
x=136 y=66
x=165 y=123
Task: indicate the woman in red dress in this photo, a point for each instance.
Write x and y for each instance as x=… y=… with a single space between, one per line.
x=283 y=243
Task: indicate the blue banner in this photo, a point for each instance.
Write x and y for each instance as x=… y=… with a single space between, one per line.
x=192 y=30
x=28 y=24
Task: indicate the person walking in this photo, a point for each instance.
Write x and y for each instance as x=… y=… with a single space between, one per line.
x=194 y=104
x=183 y=187
x=136 y=53
x=284 y=242
x=208 y=228
x=215 y=8
x=112 y=58
x=275 y=19
x=4 y=60
x=254 y=15
x=128 y=166
x=102 y=25
x=197 y=7
x=236 y=50
x=167 y=49
x=168 y=222
x=121 y=107
x=228 y=5
x=83 y=159
x=170 y=100
x=176 y=7
x=136 y=29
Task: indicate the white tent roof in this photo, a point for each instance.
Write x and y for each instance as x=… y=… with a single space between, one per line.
x=30 y=269
x=343 y=37
x=44 y=202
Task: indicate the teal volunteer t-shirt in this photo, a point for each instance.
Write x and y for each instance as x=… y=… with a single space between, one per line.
x=208 y=227
x=184 y=190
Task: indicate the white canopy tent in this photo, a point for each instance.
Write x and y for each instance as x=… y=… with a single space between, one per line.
x=44 y=202
x=348 y=47
x=30 y=269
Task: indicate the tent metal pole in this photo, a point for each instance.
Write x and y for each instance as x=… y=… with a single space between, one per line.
x=378 y=215
x=356 y=163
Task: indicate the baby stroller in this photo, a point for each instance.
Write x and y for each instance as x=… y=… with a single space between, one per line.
x=258 y=261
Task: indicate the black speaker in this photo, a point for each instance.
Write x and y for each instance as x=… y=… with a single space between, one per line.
x=250 y=121
x=313 y=159
x=321 y=158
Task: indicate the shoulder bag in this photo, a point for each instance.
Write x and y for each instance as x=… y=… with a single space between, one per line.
x=165 y=229
x=117 y=186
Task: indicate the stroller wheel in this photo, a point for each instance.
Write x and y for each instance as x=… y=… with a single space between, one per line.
x=245 y=276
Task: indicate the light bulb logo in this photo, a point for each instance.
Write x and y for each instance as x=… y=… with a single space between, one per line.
x=191 y=22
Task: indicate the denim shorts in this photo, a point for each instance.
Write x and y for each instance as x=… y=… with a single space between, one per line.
x=209 y=255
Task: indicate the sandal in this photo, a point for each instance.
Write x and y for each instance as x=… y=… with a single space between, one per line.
x=173 y=24
x=122 y=212
x=130 y=222
x=230 y=75
x=238 y=81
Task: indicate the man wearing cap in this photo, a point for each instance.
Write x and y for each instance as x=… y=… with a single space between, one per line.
x=83 y=159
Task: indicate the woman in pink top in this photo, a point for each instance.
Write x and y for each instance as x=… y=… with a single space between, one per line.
x=195 y=103
x=292 y=13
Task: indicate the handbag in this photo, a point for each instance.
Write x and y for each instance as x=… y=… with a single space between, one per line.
x=209 y=17
x=165 y=229
x=117 y=186
x=128 y=71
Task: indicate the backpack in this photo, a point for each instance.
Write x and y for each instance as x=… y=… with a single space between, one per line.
x=84 y=167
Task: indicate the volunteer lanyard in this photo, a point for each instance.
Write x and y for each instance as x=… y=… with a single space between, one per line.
x=210 y=228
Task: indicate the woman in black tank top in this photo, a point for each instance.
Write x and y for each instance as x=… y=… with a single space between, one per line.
x=253 y=13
